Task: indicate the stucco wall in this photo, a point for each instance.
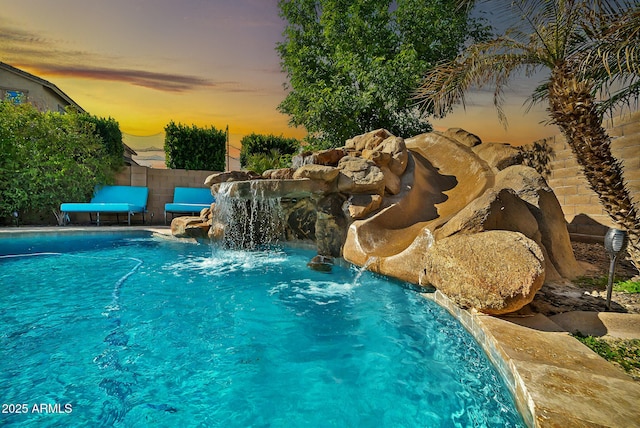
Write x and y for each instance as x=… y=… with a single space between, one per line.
x=38 y=95
x=585 y=216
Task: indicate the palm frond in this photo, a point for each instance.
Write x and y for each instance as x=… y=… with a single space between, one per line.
x=540 y=94
x=611 y=57
x=613 y=42
x=627 y=97
x=492 y=62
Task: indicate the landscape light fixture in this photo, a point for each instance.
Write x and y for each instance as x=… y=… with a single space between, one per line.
x=615 y=242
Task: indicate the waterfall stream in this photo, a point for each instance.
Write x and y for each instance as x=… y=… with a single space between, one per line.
x=249 y=222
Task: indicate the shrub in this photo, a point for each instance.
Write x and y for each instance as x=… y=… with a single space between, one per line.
x=194 y=148
x=108 y=130
x=261 y=162
x=538 y=156
x=254 y=144
x=625 y=353
x=47 y=158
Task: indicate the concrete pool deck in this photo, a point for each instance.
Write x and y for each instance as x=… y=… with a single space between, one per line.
x=557 y=381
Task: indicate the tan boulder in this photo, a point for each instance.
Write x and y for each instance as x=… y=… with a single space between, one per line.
x=279 y=174
x=498 y=155
x=216 y=231
x=499 y=209
x=359 y=175
x=396 y=147
x=205 y=213
x=392 y=183
x=532 y=188
x=189 y=227
x=370 y=140
x=360 y=206
x=407 y=265
x=392 y=157
x=463 y=137
x=317 y=172
x=379 y=158
x=494 y=272
x=329 y=157
x=223 y=177
x=265 y=189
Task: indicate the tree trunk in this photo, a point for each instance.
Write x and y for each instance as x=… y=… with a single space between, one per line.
x=573 y=110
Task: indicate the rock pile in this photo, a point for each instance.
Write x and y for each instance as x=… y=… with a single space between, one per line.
x=443 y=209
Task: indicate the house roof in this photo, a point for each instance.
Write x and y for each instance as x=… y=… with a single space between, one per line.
x=44 y=83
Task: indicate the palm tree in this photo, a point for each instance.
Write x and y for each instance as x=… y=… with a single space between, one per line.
x=591 y=48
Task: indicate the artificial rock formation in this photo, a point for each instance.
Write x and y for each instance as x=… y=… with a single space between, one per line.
x=495 y=271
x=441 y=209
x=441 y=231
x=190 y=227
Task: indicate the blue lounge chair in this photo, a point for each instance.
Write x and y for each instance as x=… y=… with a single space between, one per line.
x=112 y=199
x=188 y=200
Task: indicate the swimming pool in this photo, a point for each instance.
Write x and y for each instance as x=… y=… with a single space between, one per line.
x=135 y=330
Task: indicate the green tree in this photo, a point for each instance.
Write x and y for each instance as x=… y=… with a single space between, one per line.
x=109 y=131
x=589 y=47
x=50 y=158
x=194 y=148
x=260 y=144
x=353 y=65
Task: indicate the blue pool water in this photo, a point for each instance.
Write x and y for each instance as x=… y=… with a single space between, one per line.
x=132 y=330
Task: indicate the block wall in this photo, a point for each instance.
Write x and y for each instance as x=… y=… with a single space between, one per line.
x=160 y=182
x=586 y=218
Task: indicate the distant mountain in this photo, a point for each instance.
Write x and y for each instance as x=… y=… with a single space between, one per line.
x=150 y=149
x=151 y=158
x=144 y=143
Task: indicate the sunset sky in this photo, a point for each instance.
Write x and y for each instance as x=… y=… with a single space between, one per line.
x=202 y=62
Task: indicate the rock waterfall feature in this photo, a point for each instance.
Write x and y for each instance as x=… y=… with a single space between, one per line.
x=441 y=209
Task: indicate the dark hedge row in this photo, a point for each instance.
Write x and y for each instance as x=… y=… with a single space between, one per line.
x=193 y=148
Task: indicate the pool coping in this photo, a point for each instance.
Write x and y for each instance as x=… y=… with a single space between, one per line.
x=556 y=381
x=60 y=230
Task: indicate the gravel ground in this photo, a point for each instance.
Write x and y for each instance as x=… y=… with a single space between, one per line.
x=581 y=294
x=588 y=293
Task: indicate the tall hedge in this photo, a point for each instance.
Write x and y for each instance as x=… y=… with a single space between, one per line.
x=194 y=148
x=46 y=159
x=259 y=144
x=108 y=130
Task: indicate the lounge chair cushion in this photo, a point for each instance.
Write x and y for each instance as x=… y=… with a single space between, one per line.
x=190 y=199
x=112 y=199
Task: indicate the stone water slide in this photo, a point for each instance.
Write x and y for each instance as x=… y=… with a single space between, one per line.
x=442 y=178
x=485 y=232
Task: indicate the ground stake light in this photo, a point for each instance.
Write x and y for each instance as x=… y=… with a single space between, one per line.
x=615 y=242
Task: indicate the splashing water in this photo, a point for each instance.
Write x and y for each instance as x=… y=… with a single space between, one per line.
x=249 y=223
x=370 y=261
